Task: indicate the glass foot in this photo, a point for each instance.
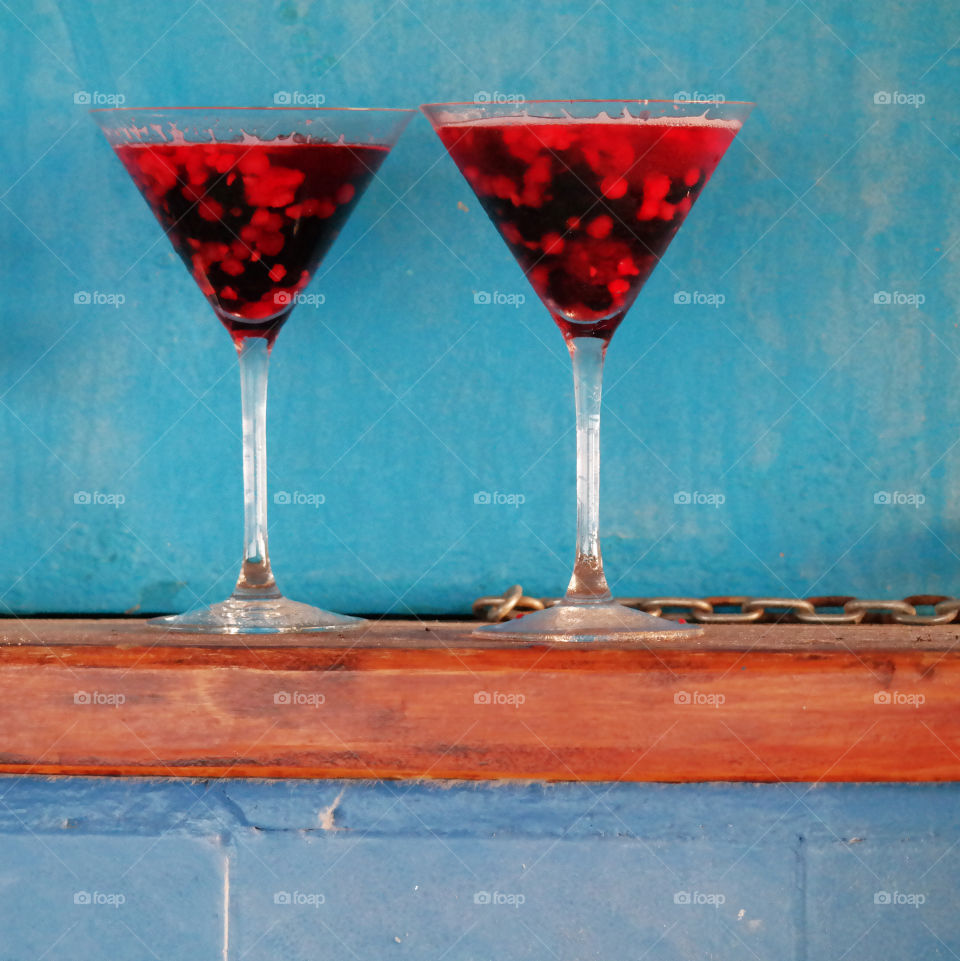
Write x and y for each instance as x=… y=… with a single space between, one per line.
x=267 y=616
x=610 y=624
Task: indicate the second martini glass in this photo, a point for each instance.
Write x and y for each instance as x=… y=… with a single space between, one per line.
x=252 y=199
x=587 y=195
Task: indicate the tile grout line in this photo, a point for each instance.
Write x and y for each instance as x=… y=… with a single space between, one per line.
x=800 y=919
x=226 y=906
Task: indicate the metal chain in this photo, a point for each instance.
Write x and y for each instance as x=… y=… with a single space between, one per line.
x=838 y=609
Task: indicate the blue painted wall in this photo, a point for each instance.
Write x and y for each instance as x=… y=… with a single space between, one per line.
x=799 y=399
x=132 y=869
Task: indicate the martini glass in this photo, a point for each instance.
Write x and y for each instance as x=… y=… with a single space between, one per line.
x=252 y=199
x=588 y=195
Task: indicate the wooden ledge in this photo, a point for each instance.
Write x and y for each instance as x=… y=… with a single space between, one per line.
x=411 y=699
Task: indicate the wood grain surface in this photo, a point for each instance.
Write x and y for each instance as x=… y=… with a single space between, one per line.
x=430 y=700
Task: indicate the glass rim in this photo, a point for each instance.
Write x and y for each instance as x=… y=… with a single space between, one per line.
x=275 y=107
x=521 y=104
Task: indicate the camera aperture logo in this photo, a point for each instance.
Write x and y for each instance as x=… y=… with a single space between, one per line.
x=99 y=898
x=98 y=298
x=911 y=899
x=912 y=499
x=498 y=298
x=299 y=698
x=299 y=499
x=498 y=499
x=99 y=698
x=900 y=699
x=299 y=898
x=499 y=898
x=700 y=698
x=499 y=698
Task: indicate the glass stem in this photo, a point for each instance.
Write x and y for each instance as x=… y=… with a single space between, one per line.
x=256 y=578
x=588 y=584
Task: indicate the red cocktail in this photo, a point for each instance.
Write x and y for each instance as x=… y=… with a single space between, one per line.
x=251 y=221
x=252 y=199
x=587 y=196
x=587 y=207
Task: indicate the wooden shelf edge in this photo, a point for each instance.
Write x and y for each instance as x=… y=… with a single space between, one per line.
x=767 y=703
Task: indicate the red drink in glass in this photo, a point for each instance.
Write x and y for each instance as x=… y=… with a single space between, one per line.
x=251 y=221
x=587 y=206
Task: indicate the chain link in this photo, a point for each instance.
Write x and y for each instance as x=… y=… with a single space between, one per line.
x=734 y=609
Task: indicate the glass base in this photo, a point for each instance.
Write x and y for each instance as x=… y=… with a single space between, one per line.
x=606 y=623
x=275 y=615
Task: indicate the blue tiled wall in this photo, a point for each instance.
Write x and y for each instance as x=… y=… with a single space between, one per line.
x=299 y=870
x=801 y=399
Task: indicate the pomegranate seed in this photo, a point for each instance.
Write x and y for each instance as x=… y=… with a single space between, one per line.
x=254 y=163
x=552 y=244
x=210 y=210
x=648 y=210
x=655 y=186
x=613 y=187
x=599 y=227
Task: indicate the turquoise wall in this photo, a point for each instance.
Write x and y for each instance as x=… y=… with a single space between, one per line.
x=800 y=399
